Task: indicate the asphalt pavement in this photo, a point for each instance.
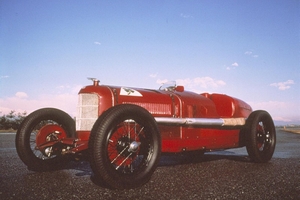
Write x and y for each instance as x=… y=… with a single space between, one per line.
x=217 y=175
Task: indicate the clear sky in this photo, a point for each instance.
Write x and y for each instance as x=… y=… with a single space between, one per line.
x=247 y=49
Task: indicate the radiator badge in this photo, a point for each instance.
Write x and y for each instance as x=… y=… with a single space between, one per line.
x=130 y=92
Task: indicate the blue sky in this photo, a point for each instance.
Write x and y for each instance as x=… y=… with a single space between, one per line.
x=247 y=49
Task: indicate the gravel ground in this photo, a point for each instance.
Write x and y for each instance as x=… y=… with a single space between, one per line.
x=217 y=175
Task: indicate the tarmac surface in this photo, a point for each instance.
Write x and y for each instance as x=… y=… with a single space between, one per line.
x=217 y=175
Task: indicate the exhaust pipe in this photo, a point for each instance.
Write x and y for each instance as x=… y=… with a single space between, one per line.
x=201 y=121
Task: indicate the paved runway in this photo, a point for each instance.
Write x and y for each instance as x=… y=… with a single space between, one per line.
x=217 y=175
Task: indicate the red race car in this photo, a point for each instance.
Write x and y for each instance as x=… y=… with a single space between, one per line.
x=124 y=130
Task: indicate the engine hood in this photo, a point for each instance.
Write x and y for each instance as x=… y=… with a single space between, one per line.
x=175 y=103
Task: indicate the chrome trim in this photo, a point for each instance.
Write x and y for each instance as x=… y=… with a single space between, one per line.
x=201 y=121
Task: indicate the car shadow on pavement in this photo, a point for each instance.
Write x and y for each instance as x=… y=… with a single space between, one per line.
x=82 y=167
x=169 y=159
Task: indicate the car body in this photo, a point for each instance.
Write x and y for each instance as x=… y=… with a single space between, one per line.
x=123 y=130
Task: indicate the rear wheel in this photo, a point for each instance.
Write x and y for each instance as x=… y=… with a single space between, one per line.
x=42 y=126
x=124 y=147
x=260 y=136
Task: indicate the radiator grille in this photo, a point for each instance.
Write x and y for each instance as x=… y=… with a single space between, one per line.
x=87 y=111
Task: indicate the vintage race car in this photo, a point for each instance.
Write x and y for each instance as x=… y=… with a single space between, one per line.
x=123 y=131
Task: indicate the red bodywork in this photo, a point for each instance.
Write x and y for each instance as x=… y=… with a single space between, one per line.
x=122 y=131
x=168 y=107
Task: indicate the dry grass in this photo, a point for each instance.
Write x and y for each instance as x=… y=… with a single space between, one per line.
x=291 y=130
x=8 y=131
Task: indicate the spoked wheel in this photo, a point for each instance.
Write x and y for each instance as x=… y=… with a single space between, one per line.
x=124 y=147
x=40 y=127
x=260 y=136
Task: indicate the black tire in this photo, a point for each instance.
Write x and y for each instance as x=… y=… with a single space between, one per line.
x=260 y=136
x=124 y=147
x=28 y=134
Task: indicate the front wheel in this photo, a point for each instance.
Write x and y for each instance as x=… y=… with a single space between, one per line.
x=38 y=128
x=260 y=136
x=124 y=147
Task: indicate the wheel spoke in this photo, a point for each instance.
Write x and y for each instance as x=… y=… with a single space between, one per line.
x=123 y=161
x=141 y=130
x=262 y=127
x=124 y=146
x=119 y=155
